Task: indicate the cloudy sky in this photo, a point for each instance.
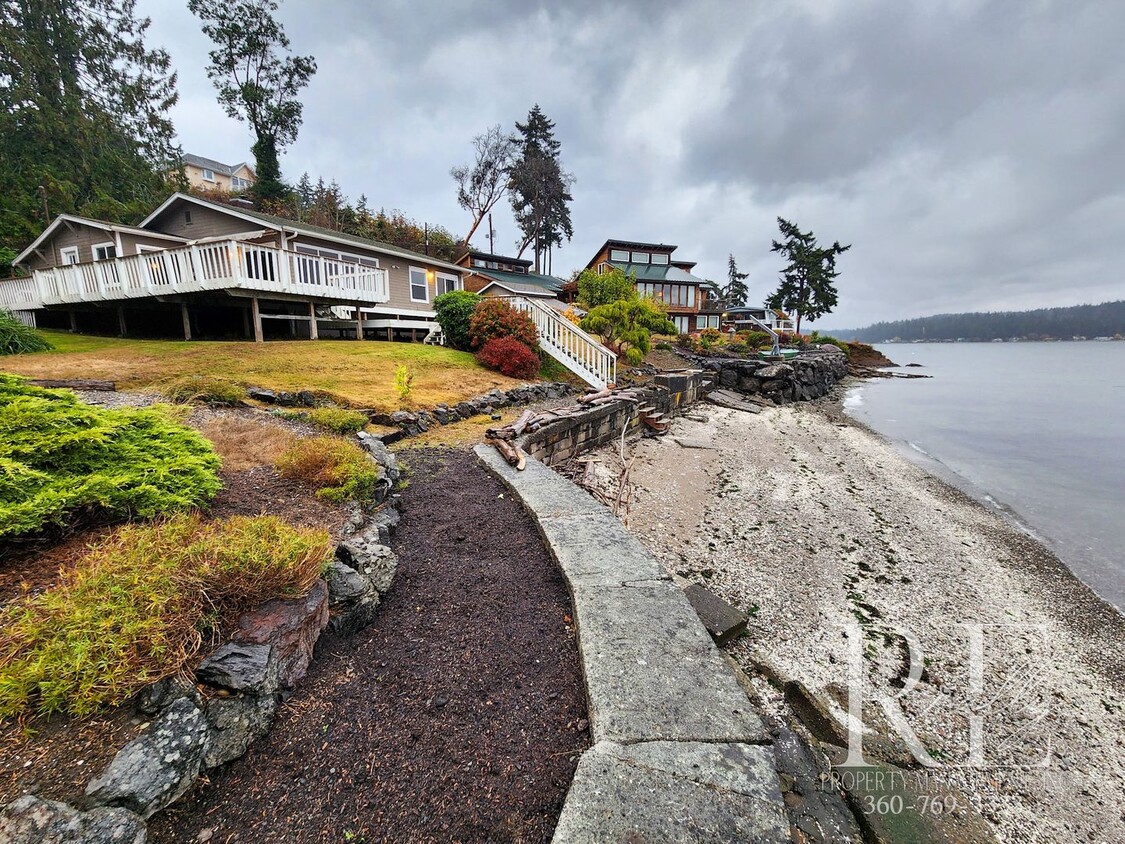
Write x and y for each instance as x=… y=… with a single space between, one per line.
x=973 y=152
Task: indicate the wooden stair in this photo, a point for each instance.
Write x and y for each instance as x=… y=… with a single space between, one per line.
x=653 y=419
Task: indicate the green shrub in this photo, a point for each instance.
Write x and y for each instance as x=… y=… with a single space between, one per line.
x=627 y=326
x=755 y=339
x=494 y=318
x=737 y=347
x=335 y=420
x=17 y=338
x=203 y=389
x=340 y=470
x=596 y=288
x=550 y=369
x=822 y=339
x=59 y=455
x=136 y=607
x=664 y=346
x=454 y=310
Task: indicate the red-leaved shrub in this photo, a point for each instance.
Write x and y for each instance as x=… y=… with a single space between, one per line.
x=494 y=318
x=510 y=357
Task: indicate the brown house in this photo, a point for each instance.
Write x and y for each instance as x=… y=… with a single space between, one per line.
x=662 y=277
x=208 y=269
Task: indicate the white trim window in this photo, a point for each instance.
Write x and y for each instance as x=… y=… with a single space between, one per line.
x=239 y=183
x=447 y=283
x=105 y=251
x=619 y=255
x=419 y=285
x=208 y=174
x=144 y=247
x=681 y=323
x=68 y=255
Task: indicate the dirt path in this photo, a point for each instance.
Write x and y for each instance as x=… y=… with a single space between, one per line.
x=458 y=716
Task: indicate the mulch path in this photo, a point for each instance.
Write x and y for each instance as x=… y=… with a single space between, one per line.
x=458 y=716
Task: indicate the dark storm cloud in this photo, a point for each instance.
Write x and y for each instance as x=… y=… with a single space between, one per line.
x=971 y=151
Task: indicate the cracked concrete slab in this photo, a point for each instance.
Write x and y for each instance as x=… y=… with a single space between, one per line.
x=674 y=792
x=592 y=551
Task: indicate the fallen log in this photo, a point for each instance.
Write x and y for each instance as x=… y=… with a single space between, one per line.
x=509 y=452
x=75 y=384
x=591 y=397
x=520 y=424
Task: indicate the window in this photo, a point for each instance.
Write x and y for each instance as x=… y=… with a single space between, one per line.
x=659 y=259
x=239 y=183
x=690 y=296
x=69 y=255
x=709 y=321
x=640 y=257
x=681 y=324
x=419 y=290
x=105 y=251
x=187 y=216
x=604 y=268
x=208 y=175
x=447 y=283
x=619 y=255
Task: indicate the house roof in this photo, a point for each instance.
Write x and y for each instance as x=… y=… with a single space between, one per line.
x=540 y=282
x=217 y=166
x=637 y=244
x=521 y=289
x=282 y=224
x=658 y=272
x=488 y=256
x=61 y=219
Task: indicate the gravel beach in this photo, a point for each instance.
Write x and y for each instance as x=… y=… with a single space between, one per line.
x=841 y=550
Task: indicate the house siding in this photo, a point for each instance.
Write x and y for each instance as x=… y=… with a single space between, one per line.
x=205 y=222
x=67 y=235
x=130 y=242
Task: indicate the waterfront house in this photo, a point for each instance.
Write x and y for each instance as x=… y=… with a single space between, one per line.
x=749 y=318
x=662 y=276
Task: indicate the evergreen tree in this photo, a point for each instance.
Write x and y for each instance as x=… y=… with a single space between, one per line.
x=807 y=285
x=735 y=292
x=540 y=188
x=257 y=81
x=304 y=191
x=83 y=114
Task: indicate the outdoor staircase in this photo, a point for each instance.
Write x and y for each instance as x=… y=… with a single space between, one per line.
x=653 y=419
x=569 y=344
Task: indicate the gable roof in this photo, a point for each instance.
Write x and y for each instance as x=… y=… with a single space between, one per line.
x=542 y=282
x=61 y=219
x=281 y=224
x=217 y=166
x=518 y=288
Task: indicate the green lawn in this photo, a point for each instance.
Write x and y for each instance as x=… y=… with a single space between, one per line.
x=359 y=373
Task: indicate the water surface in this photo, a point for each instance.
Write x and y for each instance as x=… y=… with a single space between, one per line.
x=1035 y=428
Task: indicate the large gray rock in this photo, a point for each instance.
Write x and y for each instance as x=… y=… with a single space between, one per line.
x=367 y=555
x=32 y=820
x=235 y=723
x=345 y=584
x=241 y=667
x=156 y=697
x=353 y=601
x=155 y=768
x=291 y=627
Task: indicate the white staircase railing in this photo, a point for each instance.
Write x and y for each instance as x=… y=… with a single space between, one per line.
x=569 y=344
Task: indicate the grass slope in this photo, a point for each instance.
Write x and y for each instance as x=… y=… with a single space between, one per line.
x=357 y=373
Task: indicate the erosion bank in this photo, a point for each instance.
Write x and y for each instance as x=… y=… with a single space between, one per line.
x=831 y=540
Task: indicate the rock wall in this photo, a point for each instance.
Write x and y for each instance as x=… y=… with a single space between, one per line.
x=807 y=376
x=601 y=424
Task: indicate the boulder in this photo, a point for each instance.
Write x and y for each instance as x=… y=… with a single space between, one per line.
x=776 y=371
x=235 y=723
x=32 y=820
x=156 y=697
x=367 y=556
x=156 y=767
x=241 y=667
x=291 y=626
x=259 y=394
x=349 y=618
x=286 y=399
x=306 y=398
x=345 y=584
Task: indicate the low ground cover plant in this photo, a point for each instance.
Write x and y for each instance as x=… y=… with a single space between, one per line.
x=203 y=389
x=334 y=420
x=59 y=456
x=142 y=603
x=17 y=338
x=510 y=357
x=340 y=470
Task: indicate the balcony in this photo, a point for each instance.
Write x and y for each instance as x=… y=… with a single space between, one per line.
x=223 y=265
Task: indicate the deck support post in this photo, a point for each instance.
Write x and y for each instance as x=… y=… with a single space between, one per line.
x=73 y=321
x=358 y=322
x=187 y=320
x=121 y=321
x=246 y=332
x=313 y=334
x=256 y=318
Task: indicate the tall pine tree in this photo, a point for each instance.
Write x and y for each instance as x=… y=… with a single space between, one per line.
x=807 y=286
x=735 y=292
x=84 y=124
x=540 y=188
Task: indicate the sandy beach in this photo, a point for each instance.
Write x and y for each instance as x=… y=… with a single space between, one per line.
x=836 y=545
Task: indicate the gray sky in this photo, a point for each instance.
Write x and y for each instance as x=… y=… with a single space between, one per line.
x=972 y=152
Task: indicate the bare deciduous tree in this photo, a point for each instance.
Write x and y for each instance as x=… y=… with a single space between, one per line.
x=483 y=183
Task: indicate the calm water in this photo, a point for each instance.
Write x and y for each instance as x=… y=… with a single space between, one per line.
x=1035 y=428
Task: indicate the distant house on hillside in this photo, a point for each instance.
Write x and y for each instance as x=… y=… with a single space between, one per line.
x=501 y=275
x=664 y=278
x=214 y=175
x=753 y=319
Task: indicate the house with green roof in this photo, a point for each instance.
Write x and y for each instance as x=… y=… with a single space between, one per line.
x=665 y=278
x=501 y=275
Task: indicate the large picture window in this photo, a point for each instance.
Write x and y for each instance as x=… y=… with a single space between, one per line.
x=419 y=290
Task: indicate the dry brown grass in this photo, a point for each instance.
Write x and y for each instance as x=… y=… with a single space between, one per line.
x=244 y=443
x=350 y=372
x=340 y=470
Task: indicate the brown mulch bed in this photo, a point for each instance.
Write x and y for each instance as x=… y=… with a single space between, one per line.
x=65 y=753
x=458 y=715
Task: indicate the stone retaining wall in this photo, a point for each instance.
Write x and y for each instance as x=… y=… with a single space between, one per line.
x=807 y=376
x=601 y=424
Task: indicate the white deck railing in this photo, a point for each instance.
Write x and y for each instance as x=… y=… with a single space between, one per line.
x=569 y=344
x=224 y=265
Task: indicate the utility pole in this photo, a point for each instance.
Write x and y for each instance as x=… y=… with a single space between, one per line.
x=491 y=236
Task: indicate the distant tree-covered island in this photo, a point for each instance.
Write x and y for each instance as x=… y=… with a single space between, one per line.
x=1085 y=322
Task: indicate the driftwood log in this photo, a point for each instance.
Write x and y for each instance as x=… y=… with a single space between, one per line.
x=510 y=452
x=74 y=384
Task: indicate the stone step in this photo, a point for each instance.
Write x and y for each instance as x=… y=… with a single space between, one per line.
x=724 y=622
